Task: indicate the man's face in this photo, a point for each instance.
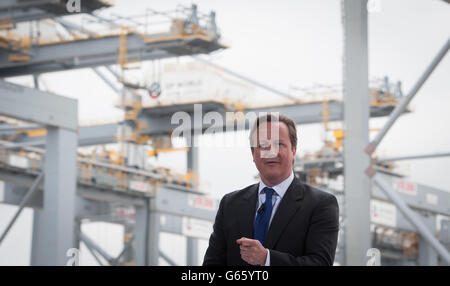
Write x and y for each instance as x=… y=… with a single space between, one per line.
x=273 y=154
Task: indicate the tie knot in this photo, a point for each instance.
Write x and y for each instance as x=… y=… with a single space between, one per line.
x=269 y=192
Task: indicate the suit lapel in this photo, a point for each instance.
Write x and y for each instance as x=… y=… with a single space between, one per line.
x=246 y=211
x=288 y=206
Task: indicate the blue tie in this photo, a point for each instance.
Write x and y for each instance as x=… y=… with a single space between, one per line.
x=263 y=217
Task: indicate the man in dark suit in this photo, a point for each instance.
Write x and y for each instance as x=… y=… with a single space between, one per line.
x=280 y=220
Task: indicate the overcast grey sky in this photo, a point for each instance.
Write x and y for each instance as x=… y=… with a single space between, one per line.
x=283 y=43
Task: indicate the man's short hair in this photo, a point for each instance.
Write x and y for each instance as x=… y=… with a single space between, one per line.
x=275 y=118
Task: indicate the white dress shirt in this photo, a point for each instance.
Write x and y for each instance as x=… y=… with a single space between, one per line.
x=279 y=191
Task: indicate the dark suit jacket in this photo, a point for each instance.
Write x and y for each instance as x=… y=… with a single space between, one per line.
x=303 y=231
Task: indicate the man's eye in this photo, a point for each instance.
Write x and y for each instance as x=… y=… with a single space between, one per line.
x=264 y=144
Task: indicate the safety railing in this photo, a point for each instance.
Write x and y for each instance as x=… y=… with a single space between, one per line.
x=100 y=174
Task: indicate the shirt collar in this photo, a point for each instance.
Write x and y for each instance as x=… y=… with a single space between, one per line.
x=281 y=188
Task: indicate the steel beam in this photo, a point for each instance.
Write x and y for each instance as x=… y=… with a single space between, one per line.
x=98 y=134
x=413 y=218
x=53 y=227
x=21 y=145
x=153 y=249
x=147 y=235
x=427 y=255
x=94 y=254
x=36 y=81
x=146 y=241
x=159 y=122
x=141 y=234
x=23 y=203
x=20 y=181
x=97 y=51
x=192 y=251
x=399 y=109
x=178 y=203
x=416 y=196
x=356 y=128
x=94 y=246
x=126 y=248
x=110 y=196
x=413 y=157
x=14 y=194
x=193 y=167
x=77 y=230
x=69 y=61
x=9 y=128
x=113 y=72
x=38 y=106
x=159 y=118
x=88 y=135
x=193 y=161
x=128 y=255
x=106 y=80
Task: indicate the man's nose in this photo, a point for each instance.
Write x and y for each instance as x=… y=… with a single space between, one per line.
x=270 y=151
